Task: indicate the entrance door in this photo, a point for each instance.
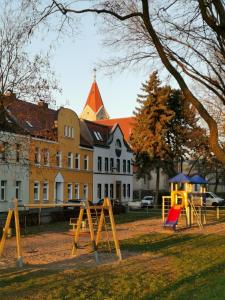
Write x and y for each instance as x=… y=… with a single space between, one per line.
x=59 y=182
x=118 y=190
x=58 y=191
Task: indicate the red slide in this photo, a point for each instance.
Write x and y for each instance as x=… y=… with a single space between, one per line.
x=173 y=216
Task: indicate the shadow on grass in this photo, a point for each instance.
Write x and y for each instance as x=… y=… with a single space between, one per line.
x=201 y=284
x=155 y=242
x=136 y=216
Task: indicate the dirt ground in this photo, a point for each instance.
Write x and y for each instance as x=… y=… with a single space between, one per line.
x=53 y=249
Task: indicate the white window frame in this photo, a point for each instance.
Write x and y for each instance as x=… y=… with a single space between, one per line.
x=69 y=191
x=86 y=160
x=18 y=189
x=45 y=186
x=77 y=188
x=3 y=187
x=38 y=190
x=46 y=155
x=99 y=163
x=66 y=131
x=37 y=151
x=70 y=160
x=59 y=154
x=85 y=191
x=77 y=157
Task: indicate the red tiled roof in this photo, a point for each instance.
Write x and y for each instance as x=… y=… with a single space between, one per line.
x=126 y=125
x=94 y=99
x=36 y=119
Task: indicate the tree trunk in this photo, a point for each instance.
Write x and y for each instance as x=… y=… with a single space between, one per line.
x=157 y=186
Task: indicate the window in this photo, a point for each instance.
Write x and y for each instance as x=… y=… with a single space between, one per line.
x=99 y=191
x=17 y=152
x=37 y=156
x=70 y=160
x=106 y=192
x=111 y=191
x=18 y=190
x=128 y=166
x=111 y=164
x=70 y=191
x=45 y=191
x=77 y=161
x=68 y=131
x=3 y=190
x=58 y=159
x=118 y=165
x=106 y=164
x=99 y=163
x=36 y=191
x=98 y=135
x=128 y=190
x=85 y=192
x=29 y=124
x=85 y=162
x=124 y=190
x=118 y=148
x=65 y=130
x=77 y=191
x=124 y=166
x=46 y=157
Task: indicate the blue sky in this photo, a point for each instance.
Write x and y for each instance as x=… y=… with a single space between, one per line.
x=73 y=60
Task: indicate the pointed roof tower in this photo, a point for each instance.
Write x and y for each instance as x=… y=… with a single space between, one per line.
x=94 y=108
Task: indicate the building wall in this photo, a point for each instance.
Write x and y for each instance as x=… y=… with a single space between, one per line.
x=14 y=171
x=149 y=184
x=112 y=177
x=68 y=142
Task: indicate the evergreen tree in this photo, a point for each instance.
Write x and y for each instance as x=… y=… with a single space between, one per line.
x=165 y=123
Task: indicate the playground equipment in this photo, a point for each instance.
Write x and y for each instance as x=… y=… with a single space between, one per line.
x=182 y=198
x=105 y=208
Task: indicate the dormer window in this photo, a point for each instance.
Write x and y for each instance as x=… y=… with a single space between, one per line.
x=29 y=124
x=98 y=135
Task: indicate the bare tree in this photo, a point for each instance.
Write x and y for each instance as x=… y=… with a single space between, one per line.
x=187 y=36
x=30 y=77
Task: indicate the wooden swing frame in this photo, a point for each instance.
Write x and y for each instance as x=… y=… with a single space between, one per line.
x=95 y=240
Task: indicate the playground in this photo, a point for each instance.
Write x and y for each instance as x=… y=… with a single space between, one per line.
x=177 y=252
x=157 y=264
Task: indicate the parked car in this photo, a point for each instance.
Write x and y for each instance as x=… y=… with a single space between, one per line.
x=147 y=201
x=213 y=199
x=133 y=205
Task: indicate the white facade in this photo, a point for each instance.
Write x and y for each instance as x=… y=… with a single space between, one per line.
x=14 y=169
x=107 y=179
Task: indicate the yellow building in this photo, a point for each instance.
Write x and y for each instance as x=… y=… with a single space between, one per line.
x=61 y=159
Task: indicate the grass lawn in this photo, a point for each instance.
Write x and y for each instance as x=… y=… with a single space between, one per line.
x=157 y=266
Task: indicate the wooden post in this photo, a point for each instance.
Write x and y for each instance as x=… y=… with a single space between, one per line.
x=18 y=240
x=217 y=212
x=91 y=229
x=77 y=232
x=5 y=230
x=100 y=224
x=118 y=252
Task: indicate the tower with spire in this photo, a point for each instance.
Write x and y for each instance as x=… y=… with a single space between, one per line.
x=94 y=108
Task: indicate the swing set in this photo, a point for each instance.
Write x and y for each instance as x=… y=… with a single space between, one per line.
x=101 y=212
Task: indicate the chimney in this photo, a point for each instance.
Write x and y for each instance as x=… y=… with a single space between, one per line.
x=7 y=98
x=42 y=103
